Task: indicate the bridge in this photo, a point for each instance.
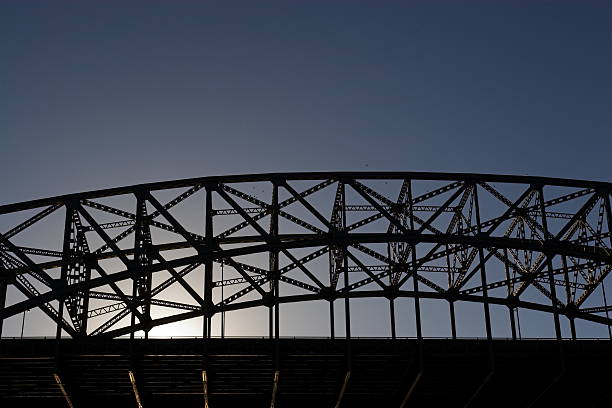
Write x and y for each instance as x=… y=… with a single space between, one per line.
x=483 y=258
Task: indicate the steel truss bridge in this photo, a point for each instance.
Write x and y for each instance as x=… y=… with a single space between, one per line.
x=125 y=261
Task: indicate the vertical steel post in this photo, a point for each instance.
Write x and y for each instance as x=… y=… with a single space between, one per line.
x=603 y=291
x=3 y=287
x=392 y=317
x=347 y=309
x=483 y=271
x=551 y=279
x=391 y=288
x=485 y=295
x=451 y=299
x=142 y=260
x=417 y=305
x=222 y=307
x=82 y=239
x=606 y=198
x=510 y=308
x=271 y=316
x=208 y=265
x=275 y=275
x=415 y=272
x=66 y=261
x=134 y=303
x=451 y=306
x=568 y=296
x=332 y=323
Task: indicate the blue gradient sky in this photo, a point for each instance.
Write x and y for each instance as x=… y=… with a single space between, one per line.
x=99 y=94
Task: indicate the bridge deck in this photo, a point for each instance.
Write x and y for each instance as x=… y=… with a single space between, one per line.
x=312 y=372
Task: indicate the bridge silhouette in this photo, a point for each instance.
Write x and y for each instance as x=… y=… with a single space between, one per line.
x=109 y=268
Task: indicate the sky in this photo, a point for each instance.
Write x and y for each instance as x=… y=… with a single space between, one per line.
x=97 y=94
x=105 y=93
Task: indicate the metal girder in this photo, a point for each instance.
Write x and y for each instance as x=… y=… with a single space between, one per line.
x=286 y=243
x=32 y=220
x=558 y=245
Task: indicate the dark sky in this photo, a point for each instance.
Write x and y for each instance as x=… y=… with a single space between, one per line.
x=107 y=93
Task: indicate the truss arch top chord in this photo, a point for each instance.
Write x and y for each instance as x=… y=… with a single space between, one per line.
x=150 y=255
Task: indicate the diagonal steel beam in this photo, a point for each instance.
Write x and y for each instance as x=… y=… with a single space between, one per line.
x=509 y=211
x=306 y=204
x=32 y=220
x=266 y=236
x=586 y=207
x=378 y=207
x=26 y=260
x=28 y=291
x=365 y=269
x=177 y=225
x=179 y=279
x=94 y=224
x=246 y=276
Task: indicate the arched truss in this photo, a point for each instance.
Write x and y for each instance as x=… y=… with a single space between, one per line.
x=523 y=242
